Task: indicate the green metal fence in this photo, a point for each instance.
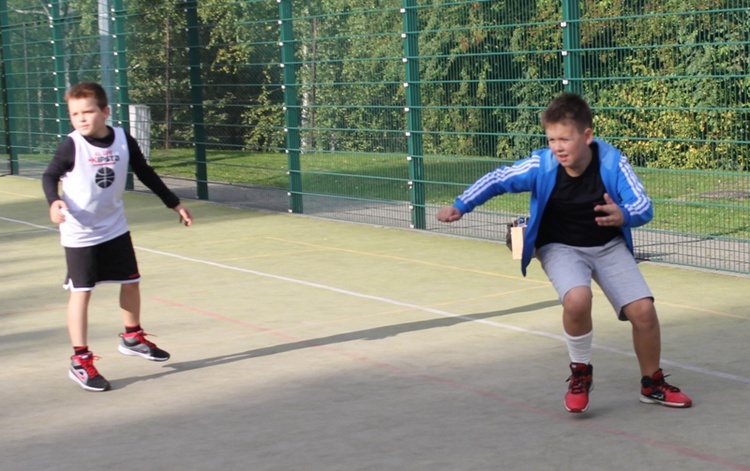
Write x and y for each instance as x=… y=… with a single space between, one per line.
x=382 y=111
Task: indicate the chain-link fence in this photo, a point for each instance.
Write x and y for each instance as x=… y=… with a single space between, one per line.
x=382 y=111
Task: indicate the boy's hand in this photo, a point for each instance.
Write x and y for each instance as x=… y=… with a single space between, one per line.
x=614 y=215
x=448 y=214
x=185 y=216
x=57 y=211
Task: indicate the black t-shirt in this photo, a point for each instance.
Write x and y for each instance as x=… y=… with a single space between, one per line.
x=569 y=215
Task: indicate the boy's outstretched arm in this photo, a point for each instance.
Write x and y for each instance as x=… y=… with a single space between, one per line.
x=185 y=215
x=449 y=214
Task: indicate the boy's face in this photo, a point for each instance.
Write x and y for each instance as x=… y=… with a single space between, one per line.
x=570 y=146
x=87 y=118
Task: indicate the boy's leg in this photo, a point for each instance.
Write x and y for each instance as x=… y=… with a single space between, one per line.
x=134 y=341
x=577 y=324
x=618 y=275
x=130 y=303
x=78 y=308
x=79 y=281
x=577 y=311
x=570 y=274
x=646 y=334
x=622 y=282
x=122 y=266
x=81 y=278
x=82 y=369
x=578 y=328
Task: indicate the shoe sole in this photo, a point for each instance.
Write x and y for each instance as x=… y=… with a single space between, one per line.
x=573 y=411
x=75 y=378
x=676 y=405
x=128 y=352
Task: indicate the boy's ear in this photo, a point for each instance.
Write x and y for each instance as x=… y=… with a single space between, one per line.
x=589 y=134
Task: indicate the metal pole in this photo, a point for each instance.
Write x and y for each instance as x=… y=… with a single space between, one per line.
x=122 y=95
x=414 y=115
x=120 y=98
x=572 y=46
x=196 y=99
x=6 y=102
x=291 y=107
x=106 y=56
x=60 y=70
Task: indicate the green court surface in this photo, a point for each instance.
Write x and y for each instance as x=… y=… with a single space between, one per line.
x=307 y=344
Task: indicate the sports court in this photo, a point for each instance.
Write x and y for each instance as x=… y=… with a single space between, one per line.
x=307 y=344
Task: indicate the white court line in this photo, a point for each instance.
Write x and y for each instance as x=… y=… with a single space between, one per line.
x=29 y=224
x=417 y=307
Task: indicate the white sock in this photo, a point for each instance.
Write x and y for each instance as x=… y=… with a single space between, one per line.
x=579 y=348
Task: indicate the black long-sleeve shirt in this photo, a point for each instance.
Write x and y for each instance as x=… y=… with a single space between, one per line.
x=64 y=161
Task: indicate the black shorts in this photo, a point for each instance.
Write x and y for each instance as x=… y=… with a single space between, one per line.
x=109 y=262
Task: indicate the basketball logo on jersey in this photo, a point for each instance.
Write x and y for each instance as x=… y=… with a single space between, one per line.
x=104 y=178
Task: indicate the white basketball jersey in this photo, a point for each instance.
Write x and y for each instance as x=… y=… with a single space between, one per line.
x=93 y=192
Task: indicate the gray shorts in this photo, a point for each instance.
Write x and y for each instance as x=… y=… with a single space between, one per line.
x=612 y=266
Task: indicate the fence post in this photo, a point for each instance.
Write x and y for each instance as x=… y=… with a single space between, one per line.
x=120 y=73
x=196 y=98
x=414 y=115
x=6 y=102
x=106 y=48
x=572 y=46
x=121 y=64
x=60 y=68
x=291 y=108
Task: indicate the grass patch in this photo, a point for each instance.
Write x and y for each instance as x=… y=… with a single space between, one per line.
x=687 y=202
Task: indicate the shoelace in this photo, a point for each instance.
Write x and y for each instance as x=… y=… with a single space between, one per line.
x=661 y=384
x=577 y=385
x=88 y=365
x=140 y=336
x=664 y=385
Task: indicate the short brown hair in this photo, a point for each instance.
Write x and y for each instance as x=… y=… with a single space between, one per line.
x=568 y=107
x=88 y=90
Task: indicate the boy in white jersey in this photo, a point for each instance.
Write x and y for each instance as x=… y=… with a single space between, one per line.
x=92 y=164
x=585 y=198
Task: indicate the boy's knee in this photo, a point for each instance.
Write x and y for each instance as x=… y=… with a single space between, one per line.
x=641 y=313
x=578 y=299
x=129 y=287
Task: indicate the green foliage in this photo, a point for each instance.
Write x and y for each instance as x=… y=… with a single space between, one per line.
x=668 y=80
x=350 y=75
x=263 y=121
x=681 y=105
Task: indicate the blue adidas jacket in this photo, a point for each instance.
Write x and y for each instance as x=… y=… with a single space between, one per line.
x=538 y=174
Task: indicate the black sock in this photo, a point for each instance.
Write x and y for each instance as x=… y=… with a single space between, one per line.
x=130 y=330
x=81 y=350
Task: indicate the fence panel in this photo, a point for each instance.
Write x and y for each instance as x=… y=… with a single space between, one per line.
x=381 y=111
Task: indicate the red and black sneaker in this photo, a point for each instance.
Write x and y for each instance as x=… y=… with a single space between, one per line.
x=655 y=390
x=581 y=384
x=135 y=343
x=83 y=372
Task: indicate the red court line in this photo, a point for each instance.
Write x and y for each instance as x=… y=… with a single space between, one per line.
x=478 y=392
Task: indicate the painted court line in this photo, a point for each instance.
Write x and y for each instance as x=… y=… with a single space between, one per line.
x=439 y=312
x=411 y=373
x=417 y=307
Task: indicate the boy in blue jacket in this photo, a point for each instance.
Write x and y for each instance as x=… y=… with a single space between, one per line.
x=585 y=198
